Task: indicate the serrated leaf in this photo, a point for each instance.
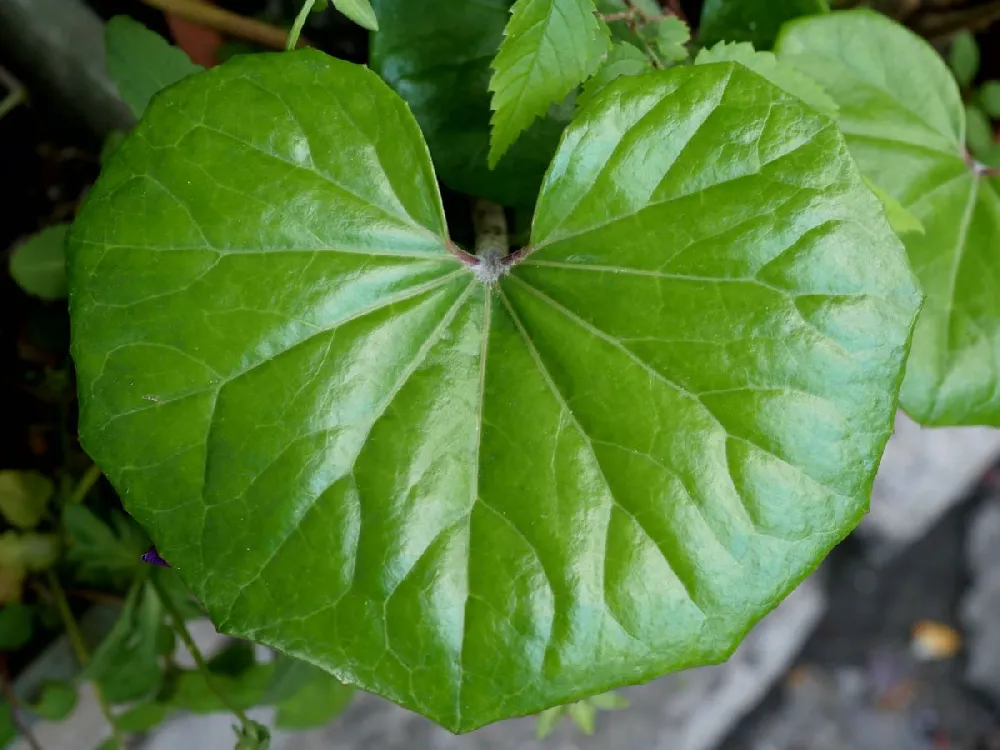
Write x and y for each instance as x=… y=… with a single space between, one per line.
x=415 y=52
x=16 y=626
x=141 y=63
x=616 y=459
x=989 y=98
x=38 y=264
x=550 y=47
x=55 y=702
x=900 y=219
x=622 y=60
x=963 y=57
x=766 y=64
x=978 y=130
x=755 y=21
x=359 y=11
x=24 y=497
x=672 y=36
x=317 y=702
x=905 y=125
x=126 y=664
x=98 y=553
x=143 y=717
x=548 y=720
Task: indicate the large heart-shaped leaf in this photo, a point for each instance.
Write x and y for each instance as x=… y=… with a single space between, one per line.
x=481 y=501
x=437 y=54
x=905 y=124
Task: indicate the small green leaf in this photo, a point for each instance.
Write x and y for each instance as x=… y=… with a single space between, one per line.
x=188 y=690
x=233 y=660
x=252 y=736
x=903 y=117
x=24 y=497
x=549 y=48
x=55 y=702
x=989 y=98
x=38 y=264
x=616 y=458
x=609 y=701
x=755 y=21
x=978 y=130
x=99 y=553
x=126 y=664
x=548 y=720
x=321 y=699
x=290 y=676
x=963 y=57
x=448 y=93
x=359 y=11
x=143 y=717
x=767 y=64
x=16 y=626
x=142 y=63
x=28 y=551
x=582 y=713
x=672 y=37
x=622 y=60
x=901 y=219
x=166 y=640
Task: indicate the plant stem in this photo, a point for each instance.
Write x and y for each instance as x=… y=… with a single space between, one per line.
x=86 y=483
x=225 y=21
x=81 y=653
x=12 y=100
x=300 y=21
x=181 y=629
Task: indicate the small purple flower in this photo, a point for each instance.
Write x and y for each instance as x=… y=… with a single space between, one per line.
x=152 y=557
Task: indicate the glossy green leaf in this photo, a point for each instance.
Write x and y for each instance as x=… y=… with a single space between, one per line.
x=38 y=264
x=24 y=497
x=436 y=54
x=622 y=60
x=126 y=664
x=550 y=47
x=141 y=62
x=99 y=553
x=671 y=37
x=989 y=98
x=359 y=11
x=55 y=702
x=316 y=703
x=483 y=501
x=755 y=21
x=16 y=626
x=767 y=65
x=963 y=57
x=900 y=219
x=905 y=124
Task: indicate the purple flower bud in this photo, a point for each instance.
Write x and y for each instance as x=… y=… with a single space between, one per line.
x=152 y=557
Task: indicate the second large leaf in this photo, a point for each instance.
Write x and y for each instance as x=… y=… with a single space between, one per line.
x=437 y=56
x=484 y=500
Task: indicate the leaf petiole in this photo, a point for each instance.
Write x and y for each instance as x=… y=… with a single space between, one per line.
x=300 y=21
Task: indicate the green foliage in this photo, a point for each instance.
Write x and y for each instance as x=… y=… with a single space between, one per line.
x=38 y=265
x=904 y=120
x=900 y=219
x=126 y=664
x=359 y=11
x=28 y=551
x=320 y=699
x=963 y=57
x=100 y=552
x=672 y=36
x=252 y=736
x=16 y=626
x=141 y=63
x=711 y=389
x=989 y=98
x=56 y=701
x=622 y=60
x=754 y=21
x=143 y=717
x=436 y=54
x=550 y=47
x=24 y=497
x=582 y=713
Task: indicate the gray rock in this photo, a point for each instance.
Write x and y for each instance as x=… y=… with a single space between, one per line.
x=981 y=606
x=923 y=473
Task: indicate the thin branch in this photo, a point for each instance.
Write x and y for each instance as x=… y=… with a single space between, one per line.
x=181 y=629
x=300 y=21
x=80 y=651
x=85 y=485
x=227 y=22
x=15 y=709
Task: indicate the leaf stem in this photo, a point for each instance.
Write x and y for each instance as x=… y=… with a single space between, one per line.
x=80 y=651
x=225 y=21
x=85 y=485
x=180 y=628
x=300 y=21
